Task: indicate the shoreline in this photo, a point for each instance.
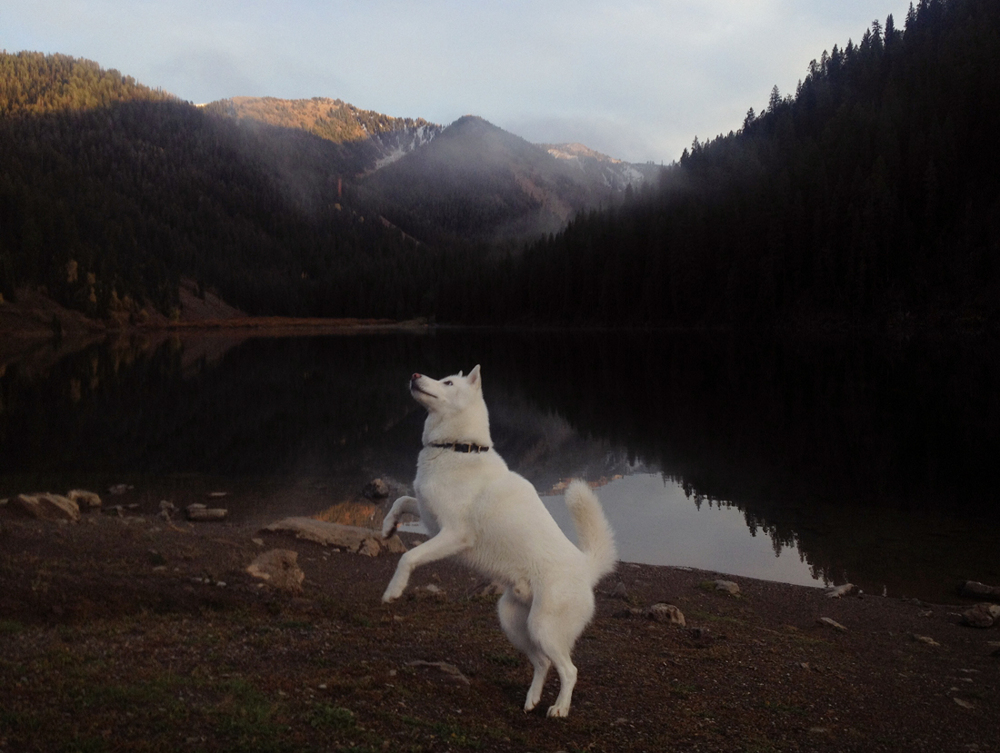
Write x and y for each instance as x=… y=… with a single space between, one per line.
x=156 y=629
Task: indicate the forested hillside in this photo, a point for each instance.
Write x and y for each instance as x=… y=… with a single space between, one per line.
x=110 y=192
x=871 y=195
x=366 y=140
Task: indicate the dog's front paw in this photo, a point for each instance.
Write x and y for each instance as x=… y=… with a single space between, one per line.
x=557 y=711
x=392 y=593
x=389 y=526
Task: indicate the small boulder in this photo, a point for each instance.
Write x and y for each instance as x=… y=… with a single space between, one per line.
x=829 y=622
x=982 y=615
x=47 y=506
x=979 y=590
x=352 y=538
x=376 y=489
x=728 y=586
x=279 y=568
x=84 y=499
x=666 y=613
x=837 y=591
x=200 y=512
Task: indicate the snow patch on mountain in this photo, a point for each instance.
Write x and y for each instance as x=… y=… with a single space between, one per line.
x=395 y=145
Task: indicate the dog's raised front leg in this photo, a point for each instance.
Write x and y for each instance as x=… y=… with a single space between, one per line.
x=400 y=507
x=445 y=544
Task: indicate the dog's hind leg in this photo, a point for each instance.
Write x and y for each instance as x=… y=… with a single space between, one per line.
x=513 y=614
x=560 y=657
x=554 y=628
x=400 y=507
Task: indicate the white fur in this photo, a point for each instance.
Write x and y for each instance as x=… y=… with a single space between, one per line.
x=492 y=519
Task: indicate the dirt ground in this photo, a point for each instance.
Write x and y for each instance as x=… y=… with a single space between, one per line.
x=137 y=634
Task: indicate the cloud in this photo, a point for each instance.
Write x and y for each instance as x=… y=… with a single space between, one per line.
x=639 y=77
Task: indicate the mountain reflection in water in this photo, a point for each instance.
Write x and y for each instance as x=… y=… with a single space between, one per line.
x=868 y=461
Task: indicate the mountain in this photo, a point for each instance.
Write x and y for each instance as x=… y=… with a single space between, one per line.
x=477 y=182
x=469 y=182
x=366 y=140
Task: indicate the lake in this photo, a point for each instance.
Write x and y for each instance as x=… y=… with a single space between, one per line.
x=802 y=460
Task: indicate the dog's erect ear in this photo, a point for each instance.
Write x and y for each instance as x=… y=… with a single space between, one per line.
x=474 y=377
x=460 y=372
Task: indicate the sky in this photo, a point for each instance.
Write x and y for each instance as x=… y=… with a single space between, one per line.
x=635 y=80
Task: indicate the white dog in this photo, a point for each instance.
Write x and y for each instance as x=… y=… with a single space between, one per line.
x=491 y=518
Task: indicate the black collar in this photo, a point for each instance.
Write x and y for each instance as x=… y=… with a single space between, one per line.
x=461 y=446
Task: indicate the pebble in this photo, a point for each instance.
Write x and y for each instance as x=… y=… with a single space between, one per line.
x=829 y=622
x=666 y=613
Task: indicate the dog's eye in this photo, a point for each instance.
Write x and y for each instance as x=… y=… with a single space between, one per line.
x=449 y=383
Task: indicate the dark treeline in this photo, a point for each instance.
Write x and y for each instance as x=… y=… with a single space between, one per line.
x=873 y=194
x=111 y=192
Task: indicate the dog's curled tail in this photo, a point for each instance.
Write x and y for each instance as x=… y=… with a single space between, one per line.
x=597 y=540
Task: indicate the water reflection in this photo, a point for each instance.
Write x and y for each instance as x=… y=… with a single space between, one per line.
x=656 y=522
x=865 y=461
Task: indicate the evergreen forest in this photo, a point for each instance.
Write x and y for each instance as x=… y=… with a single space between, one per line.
x=869 y=196
x=111 y=192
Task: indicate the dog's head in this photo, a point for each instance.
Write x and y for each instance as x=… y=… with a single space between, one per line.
x=456 y=411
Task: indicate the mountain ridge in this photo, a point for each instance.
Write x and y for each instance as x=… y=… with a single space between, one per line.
x=375 y=138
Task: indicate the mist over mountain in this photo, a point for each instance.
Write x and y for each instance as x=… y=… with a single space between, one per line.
x=475 y=181
x=469 y=181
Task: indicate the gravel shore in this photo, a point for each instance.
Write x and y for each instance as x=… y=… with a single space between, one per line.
x=135 y=633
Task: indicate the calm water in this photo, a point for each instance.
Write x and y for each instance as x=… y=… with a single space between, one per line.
x=799 y=461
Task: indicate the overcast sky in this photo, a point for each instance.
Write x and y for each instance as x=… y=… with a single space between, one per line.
x=635 y=80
